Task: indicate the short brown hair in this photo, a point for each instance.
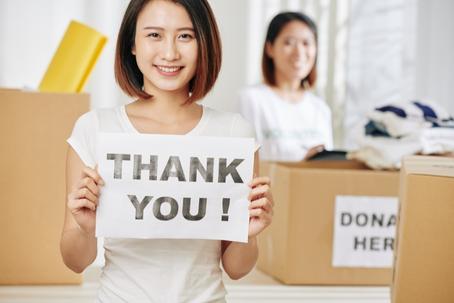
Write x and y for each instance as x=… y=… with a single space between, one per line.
x=274 y=29
x=209 y=56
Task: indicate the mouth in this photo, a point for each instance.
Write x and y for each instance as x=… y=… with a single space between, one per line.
x=297 y=64
x=168 y=70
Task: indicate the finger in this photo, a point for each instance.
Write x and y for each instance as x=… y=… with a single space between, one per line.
x=310 y=154
x=78 y=204
x=256 y=212
x=263 y=191
x=90 y=184
x=258 y=192
x=313 y=151
x=260 y=180
x=261 y=203
x=85 y=193
x=87 y=171
x=267 y=218
x=264 y=218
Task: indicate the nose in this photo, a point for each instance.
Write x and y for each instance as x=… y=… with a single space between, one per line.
x=170 y=50
x=299 y=49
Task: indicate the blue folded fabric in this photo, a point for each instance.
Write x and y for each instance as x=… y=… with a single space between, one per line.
x=414 y=111
x=426 y=112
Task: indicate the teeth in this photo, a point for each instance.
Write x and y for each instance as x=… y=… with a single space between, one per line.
x=168 y=69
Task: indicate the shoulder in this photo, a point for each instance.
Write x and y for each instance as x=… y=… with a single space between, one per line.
x=319 y=103
x=233 y=124
x=89 y=120
x=96 y=118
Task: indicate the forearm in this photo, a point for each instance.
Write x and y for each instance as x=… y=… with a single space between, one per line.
x=78 y=249
x=239 y=258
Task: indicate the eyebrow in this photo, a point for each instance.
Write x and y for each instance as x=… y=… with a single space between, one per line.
x=161 y=28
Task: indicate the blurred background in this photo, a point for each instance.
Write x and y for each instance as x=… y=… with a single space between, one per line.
x=370 y=52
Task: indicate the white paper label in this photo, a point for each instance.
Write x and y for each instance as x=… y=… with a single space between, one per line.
x=364 y=231
x=185 y=187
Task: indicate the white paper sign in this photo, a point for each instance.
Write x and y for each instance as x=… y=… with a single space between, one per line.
x=364 y=231
x=167 y=186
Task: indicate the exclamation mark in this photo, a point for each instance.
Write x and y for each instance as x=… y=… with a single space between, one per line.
x=225 y=209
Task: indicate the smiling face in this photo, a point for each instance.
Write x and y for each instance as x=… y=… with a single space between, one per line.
x=165 y=47
x=294 y=51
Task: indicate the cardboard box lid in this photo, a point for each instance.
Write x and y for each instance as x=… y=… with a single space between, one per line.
x=429 y=165
x=20 y=92
x=328 y=164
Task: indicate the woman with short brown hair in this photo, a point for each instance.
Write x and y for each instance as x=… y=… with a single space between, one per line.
x=168 y=56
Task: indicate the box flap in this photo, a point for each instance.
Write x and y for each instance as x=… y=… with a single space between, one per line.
x=9 y=89
x=8 y=93
x=328 y=164
x=429 y=165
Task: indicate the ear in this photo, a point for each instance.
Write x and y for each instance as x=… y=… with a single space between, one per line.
x=133 y=50
x=269 y=49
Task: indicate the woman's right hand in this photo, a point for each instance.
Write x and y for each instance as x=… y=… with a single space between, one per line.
x=313 y=151
x=83 y=199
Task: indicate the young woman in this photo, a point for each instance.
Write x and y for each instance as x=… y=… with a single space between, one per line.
x=291 y=123
x=168 y=56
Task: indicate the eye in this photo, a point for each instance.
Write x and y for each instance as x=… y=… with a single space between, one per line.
x=153 y=35
x=289 y=41
x=185 y=37
x=307 y=42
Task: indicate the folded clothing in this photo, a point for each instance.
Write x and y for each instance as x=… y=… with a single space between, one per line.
x=401 y=119
x=399 y=129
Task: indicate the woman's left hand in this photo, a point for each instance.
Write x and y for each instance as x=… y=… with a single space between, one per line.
x=261 y=206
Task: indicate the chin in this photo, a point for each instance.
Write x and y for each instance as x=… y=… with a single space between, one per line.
x=170 y=88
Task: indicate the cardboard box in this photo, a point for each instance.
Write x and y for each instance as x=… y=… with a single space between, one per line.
x=297 y=248
x=424 y=264
x=34 y=127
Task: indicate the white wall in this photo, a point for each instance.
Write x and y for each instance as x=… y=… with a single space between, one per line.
x=380 y=59
x=232 y=21
x=31 y=30
x=435 y=52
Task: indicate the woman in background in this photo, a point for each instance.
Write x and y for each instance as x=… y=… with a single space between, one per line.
x=291 y=123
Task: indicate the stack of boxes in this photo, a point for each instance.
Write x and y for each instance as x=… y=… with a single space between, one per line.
x=335 y=224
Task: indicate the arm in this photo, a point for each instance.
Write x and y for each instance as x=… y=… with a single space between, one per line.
x=78 y=244
x=238 y=259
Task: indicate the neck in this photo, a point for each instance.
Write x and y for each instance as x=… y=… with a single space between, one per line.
x=287 y=85
x=288 y=89
x=169 y=107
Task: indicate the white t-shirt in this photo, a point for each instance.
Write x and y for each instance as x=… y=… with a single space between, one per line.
x=286 y=130
x=157 y=270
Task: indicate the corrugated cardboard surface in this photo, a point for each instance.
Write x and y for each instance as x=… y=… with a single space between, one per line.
x=34 y=128
x=297 y=247
x=424 y=256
